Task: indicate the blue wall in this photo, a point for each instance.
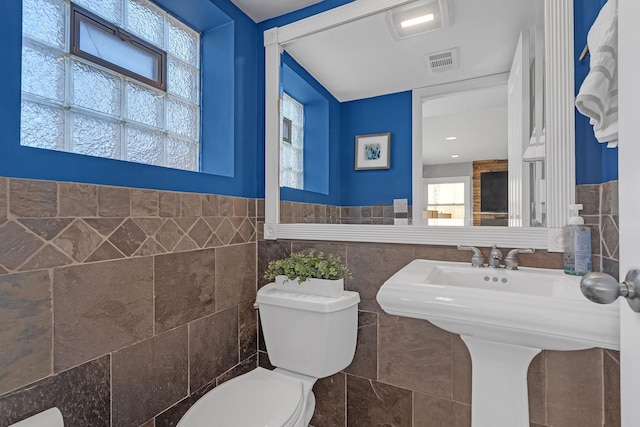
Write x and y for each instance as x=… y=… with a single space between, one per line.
x=388 y=113
x=241 y=135
x=595 y=163
x=239 y=158
x=289 y=194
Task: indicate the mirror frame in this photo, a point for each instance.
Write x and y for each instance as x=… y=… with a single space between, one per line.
x=560 y=136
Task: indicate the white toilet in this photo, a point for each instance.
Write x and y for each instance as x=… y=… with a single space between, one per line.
x=307 y=337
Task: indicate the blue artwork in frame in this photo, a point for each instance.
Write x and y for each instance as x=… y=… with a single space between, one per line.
x=373 y=151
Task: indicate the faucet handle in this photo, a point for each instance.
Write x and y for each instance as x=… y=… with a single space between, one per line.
x=495 y=252
x=511 y=261
x=495 y=256
x=477 y=260
x=513 y=252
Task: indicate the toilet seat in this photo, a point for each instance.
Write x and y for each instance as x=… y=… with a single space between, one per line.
x=260 y=398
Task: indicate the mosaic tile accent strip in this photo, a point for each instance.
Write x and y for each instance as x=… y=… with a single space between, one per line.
x=53 y=224
x=310 y=213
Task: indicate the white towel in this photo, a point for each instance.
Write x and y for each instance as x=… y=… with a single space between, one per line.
x=598 y=96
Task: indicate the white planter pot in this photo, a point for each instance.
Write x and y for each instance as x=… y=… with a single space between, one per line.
x=321 y=287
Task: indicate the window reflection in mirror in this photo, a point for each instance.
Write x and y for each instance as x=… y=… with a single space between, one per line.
x=447 y=201
x=291 y=143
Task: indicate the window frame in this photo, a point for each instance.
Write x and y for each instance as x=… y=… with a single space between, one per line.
x=468 y=208
x=287 y=127
x=79 y=15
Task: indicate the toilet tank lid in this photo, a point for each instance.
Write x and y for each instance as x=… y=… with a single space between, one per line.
x=269 y=295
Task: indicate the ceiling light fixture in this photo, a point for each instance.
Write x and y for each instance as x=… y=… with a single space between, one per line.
x=418 y=17
x=455 y=156
x=451 y=138
x=418 y=20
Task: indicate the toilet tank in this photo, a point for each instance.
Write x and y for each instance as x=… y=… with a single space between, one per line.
x=308 y=334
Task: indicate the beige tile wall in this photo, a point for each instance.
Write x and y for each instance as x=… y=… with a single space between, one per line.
x=600 y=202
x=407 y=372
x=121 y=305
x=111 y=294
x=311 y=213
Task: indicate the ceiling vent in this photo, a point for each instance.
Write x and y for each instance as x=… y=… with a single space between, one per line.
x=440 y=62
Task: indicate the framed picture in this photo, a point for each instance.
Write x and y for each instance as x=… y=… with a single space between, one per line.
x=373 y=151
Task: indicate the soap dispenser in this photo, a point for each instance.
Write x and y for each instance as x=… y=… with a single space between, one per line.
x=577 y=244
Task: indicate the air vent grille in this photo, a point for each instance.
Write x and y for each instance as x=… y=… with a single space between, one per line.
x=442 y=61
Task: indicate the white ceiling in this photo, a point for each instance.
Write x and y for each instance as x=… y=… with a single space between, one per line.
x=477 y=119
x=362 y=59
x=260 y=10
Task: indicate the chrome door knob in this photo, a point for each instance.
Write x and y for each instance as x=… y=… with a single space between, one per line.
x=604 y=289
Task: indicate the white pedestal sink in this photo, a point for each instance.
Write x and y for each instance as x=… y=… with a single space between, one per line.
x=505 y=318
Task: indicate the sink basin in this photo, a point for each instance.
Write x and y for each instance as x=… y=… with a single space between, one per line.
x=531 y=306
x=505 y=318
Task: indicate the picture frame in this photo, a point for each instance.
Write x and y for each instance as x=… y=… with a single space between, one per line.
x=373 y=151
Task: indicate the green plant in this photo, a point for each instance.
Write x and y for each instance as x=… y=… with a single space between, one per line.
x=302 y=266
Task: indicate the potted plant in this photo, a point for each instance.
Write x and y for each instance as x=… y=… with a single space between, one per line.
x=309 y=273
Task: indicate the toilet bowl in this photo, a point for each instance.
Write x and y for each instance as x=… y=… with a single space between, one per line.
x=50 y=418
x=307 y=337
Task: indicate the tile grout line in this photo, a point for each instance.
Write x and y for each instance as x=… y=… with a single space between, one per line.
x=111 y=389
x=602 y=389
x=50 y=271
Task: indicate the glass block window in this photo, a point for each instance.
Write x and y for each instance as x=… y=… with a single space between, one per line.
x=291 y=143
x=72 y=104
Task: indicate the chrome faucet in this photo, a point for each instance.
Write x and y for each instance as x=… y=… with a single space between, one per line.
x=495 y=257
x=477 y=260
x=511 y=261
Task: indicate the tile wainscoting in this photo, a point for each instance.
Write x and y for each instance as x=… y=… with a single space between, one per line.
x=407 y=372
x=312 y=213
x=600 y=202
x=122 y=306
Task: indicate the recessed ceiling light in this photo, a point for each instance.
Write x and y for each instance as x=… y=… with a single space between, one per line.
x=455 y=156
x=451 y=138
x=417 y=17
x=417 y=20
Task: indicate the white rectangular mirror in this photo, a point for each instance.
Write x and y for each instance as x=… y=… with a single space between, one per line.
x=550 y=186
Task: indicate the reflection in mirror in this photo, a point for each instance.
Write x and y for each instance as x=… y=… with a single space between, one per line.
x=481 y=166
x=376 y=83
x=464 y=157
x=354 y=79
